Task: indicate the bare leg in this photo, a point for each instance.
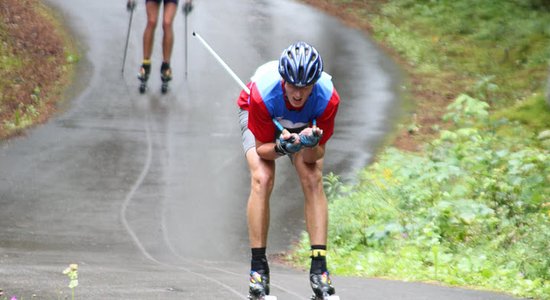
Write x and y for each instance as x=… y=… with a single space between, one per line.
x=170 y=10
x=316 y=207
x=149 y=33
x=262 y=179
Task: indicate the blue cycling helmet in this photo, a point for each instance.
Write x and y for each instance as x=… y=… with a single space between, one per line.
x=300 y=64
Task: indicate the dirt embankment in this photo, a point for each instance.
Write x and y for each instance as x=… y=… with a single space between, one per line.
x=35 y=68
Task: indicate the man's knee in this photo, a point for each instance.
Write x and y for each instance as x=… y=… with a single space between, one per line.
x=311 y=178
x=167 y=25
x=262 y=179
x=152 y=23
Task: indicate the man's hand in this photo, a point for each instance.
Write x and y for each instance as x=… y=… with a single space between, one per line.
x=130 y=5
x=288 y=143
x=310 y=137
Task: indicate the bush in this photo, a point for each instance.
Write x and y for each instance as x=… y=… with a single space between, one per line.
x=473 y=210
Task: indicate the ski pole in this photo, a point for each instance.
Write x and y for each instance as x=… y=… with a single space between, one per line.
x=228 y=69
x=186 y=9
x=186 y=58
x=220 y=60
x=237 y=79
x=131 y=6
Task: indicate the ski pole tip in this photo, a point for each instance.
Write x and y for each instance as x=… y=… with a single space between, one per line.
x=194 y=34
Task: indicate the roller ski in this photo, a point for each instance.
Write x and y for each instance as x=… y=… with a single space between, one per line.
x=165 y=76
x=258 y=288
x=143 y=76
x=322 y=287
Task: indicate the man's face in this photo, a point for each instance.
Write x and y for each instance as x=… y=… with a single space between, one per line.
x=297 y=96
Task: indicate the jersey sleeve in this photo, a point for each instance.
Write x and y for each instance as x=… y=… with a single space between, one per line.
x=243 y=100
x=326 y=120
x=259 y=119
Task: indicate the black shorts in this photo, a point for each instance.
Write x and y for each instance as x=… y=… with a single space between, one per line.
x=165 y=1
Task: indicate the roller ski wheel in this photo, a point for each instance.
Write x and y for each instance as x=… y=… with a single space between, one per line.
x=142 y=87
x=164 y=87
x=321 y=284
x=325 y=297
x=258 y=288
x=265 y=297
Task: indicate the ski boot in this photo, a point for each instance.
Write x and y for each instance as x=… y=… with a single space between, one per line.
x=322 y=287
x=143 y=76
x=258 y=288
x=187 y=7
x=165 y=76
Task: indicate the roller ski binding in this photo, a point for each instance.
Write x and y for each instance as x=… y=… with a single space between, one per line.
x=143 y=76
x=165 y=76
x=258 y=288
x=322 y=287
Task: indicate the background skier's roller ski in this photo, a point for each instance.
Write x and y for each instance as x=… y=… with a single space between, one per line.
x=143 y=86
x=165 y=76
x=143 y=76
x=164 y=87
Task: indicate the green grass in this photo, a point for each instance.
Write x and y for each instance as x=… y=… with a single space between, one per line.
x=502 y=40
x=534 y=112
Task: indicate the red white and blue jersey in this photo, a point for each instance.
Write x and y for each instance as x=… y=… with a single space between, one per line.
x=267 y=101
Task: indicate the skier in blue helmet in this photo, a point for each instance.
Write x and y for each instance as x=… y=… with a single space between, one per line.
x=290 y=111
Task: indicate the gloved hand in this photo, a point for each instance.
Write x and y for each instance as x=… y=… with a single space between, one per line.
x=310 y=137
x=289 y=145
x=130 y=5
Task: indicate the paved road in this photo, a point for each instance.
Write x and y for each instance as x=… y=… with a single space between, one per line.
x=147 y=193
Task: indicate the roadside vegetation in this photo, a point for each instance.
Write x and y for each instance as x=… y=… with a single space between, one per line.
x=37 y=59
x=462 y=195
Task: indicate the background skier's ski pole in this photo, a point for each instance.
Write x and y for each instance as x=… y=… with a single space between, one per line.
x=185 y=13
x=130 y=6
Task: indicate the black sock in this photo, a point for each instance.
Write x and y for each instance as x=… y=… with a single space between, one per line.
x=146 y=65
x=318 y=259
x=259 y=261
x=165 y=66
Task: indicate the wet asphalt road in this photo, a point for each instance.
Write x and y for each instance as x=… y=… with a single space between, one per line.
x=147 y=193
